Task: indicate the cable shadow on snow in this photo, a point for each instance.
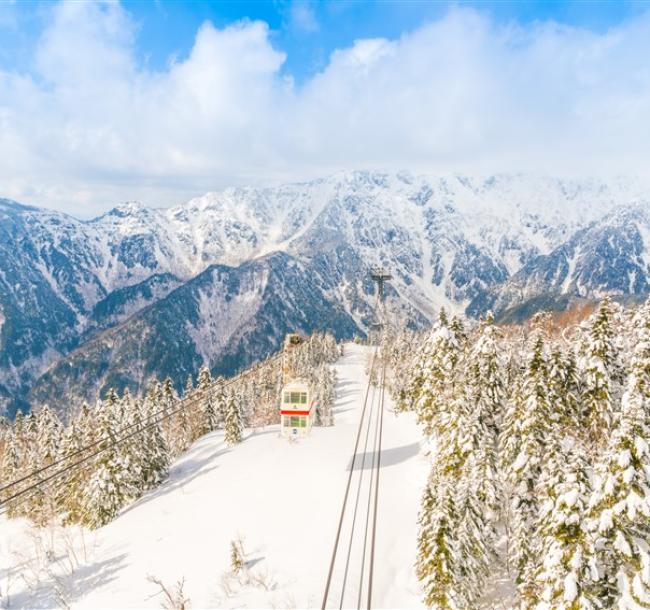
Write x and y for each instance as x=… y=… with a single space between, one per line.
x=342 y=395
x=348 y=382
x=389 y=457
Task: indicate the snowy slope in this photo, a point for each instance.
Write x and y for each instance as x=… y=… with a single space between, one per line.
x=283 y=498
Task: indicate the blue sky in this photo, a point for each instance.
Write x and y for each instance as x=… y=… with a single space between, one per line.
x=308 y=32
x=107 y=101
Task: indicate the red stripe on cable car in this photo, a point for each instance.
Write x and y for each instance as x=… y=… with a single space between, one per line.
x=295 y=412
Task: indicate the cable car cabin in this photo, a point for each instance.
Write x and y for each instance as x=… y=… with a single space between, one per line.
x=297 y=409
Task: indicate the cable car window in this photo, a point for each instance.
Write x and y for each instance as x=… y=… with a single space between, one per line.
x=287 y=397
x=295 y=397
x=295 y=422
x=303 y=422
x=286 y=422
x=303 y=397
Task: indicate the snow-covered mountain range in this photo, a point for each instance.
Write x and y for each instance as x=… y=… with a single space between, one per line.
x=220 y=279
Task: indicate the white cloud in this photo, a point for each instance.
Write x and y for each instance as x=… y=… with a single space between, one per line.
x=302 y=17
x=90 y=127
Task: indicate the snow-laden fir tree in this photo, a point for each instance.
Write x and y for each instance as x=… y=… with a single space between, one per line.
x=68 y=488
x=439 y=560
x=236 y=558
x=209 y=418
x=486 y=395
x=155 y=466
x=10 y=470
x=181 y=429
x=168 y=395
x=476 y=534
x=600 y=371
x=234 y=428
x=325 y=384
x=534 y=411
x=455 y=539
x=437 y=374
x=110 y=485
x=405 y=362
x=132 y=451
x=43 y=448
x=48 y=438
x=219 y=401
x=564 y=581
x=620 y=508
x=509 y=440
x=416 y=374
x=564 y=387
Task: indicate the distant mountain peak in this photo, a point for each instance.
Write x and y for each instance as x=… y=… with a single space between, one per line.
x=13 y=206
x=128 y=208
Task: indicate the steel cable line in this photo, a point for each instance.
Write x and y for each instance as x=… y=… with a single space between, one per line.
x=347 y=487
x=356 y=504
x=374 y=521
x=58 y=473
x=376 y=451
x=166 y=413
x=188 y=401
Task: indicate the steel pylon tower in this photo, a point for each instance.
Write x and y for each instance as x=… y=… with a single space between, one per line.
x=380 y=276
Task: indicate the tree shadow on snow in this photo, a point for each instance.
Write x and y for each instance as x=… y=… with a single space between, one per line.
x=85 y=578
x=190 y=467
x=252 y=562
x=186 y=472
x=389 y=457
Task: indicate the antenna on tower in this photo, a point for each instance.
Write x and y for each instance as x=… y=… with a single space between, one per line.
x=380 y=276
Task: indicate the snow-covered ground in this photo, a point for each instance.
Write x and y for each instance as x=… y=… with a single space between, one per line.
x=283 y=500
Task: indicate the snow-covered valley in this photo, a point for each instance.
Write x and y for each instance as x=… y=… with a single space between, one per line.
x=281 y=498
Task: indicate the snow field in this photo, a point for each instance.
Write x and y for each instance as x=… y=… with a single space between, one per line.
x=282 y=499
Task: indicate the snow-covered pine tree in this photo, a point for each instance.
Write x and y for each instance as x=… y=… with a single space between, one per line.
x=524 y=473
x=456 y=541
x=68 y=488
x=181 y=430
x=233 y=429
x=439 y=562
x=156 y=462
x=486 y=393
x=620 y=508
x=168 y=402
x=476 y=534
x=564 y=388
x=85 y=423
x=11 y=470
x=109 y=486
x=415 y=376
x=45 y=435
x=324 y=395
x=168 y=397
x=436 y=375
x=564 y=581
x=134 y=451
x=48 y=435
x=236 y=558
x=599 y=370
x=209 y=418
x=219 y=401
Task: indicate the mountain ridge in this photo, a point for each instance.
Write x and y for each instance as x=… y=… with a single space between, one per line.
x=466 y=243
